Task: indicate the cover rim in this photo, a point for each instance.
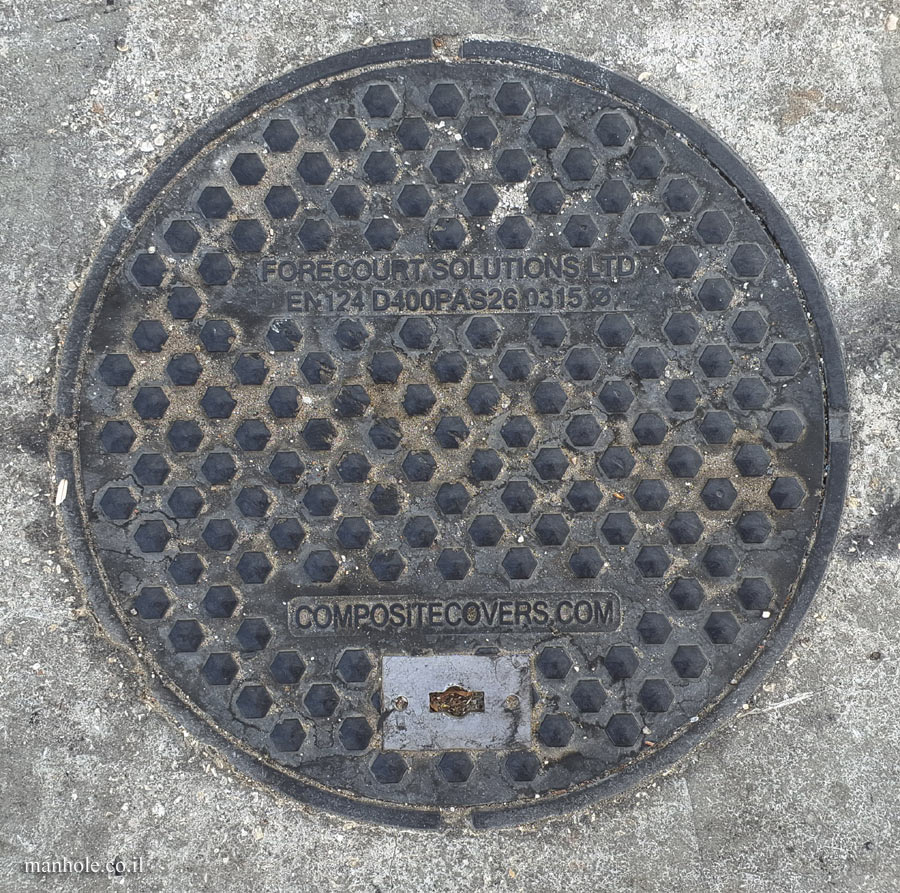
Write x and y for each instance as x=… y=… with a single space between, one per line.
x=784 y=238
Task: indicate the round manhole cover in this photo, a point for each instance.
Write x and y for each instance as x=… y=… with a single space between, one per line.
x=452 y=433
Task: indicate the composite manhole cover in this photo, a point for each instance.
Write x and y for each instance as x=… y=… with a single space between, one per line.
x=454 y=434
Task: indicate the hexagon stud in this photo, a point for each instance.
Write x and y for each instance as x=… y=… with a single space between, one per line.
x=584 y=496
x=447 y=234
x=219 y=669
x=215 y=268
x=754 y=594
x=618 y=528
x=783 y=359
x=715 y=294
x=686 y=594
x=220 y=601
x=287 y=534
x=254 y=568
x=513 y=165
x=623 y=730
x=551 y=530
x=480 y=132
x=314 y=235
x=720 y=561
x=685 y=528
x=616 y=396
x=613 y=129
x=553 y=663
x=522 y=766
x=480 y=200
x=388 y=768
x=353 y=533
x=555 y=731
x=549 y=398
x=348 y=202
x=354 y=666
x=347 y=134
x=455 y=768
x=413 y=134
x=320 y=566
x=580 y=231
x=514 y=232
x=446 y=166
x=512 y=98
x=586 y=563
x=253 y=634
x=186 y=636
x=588 y=695
x=748 y=261
x=118 y=503
x=785 y=426
x=616 y=462
x=721 y=628
x=519 y=564
x=549 y=331
x=546 y=131
x=651 y=495
x=254 y=702
x=116 y=370
x=518 y=497
x=445 y=100
x=214 y=202
x=546 y=198
x=689 y=661
x=652 y=561
x=614 y=197
x=380 y=168
x=380 y=100
x=680 y=195
x=314 y=168
x=656 y=696
x=654 y=628
x=181 y=237
x=453 y=564
x=148 y=269
x=714 y=227
x=620 y=662
x=681 y=262
x=786 y=493
x=550 y=463
x=387 y=566
x=420 y=532
x=287 y=736
x=485 y=530
x=719 y=494
x=152 y=603
x=280 y=135
x=646 y=163
x=579 y=164
x=321 y=700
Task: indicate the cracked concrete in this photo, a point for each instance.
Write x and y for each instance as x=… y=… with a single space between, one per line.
x=797 y=794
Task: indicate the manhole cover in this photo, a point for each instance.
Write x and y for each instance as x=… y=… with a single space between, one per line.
x=452 y=433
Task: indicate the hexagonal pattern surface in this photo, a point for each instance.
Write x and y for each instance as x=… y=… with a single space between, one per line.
x=405 y=366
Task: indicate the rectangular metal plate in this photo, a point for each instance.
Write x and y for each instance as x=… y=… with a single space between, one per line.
x=505 y=722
